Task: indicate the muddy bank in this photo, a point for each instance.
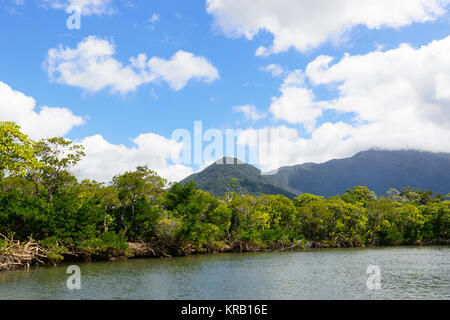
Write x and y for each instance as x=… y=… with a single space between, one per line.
x=158 y=249
x=19 y=255
x=25 y=255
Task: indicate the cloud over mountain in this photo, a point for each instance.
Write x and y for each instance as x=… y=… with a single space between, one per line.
x=396 y=99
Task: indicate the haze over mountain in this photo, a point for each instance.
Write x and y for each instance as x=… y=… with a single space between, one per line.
x=379 y=170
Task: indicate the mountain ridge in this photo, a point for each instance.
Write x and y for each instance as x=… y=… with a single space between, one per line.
x=377 y=169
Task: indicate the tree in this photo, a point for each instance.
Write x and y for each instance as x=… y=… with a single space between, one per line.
x=17 y=153
x=378 y=223
x=349 y=223
x=202 y=217
x=58 y=156
x=249 y=219
x=394 y=195
x=437 y=221
x=179 y=194
x=141 y=184
x=306 y=198
x=314 y=220
x=358 y=194
x=106 y=197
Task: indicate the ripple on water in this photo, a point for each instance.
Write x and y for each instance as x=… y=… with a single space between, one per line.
x=406 y=273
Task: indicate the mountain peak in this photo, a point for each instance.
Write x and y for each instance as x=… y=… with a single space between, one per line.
x=229 y=160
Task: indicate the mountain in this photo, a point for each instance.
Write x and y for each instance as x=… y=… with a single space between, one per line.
x=379 y=170
x=217 y=179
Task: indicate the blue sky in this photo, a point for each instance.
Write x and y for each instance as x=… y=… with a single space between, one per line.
x=319 y=114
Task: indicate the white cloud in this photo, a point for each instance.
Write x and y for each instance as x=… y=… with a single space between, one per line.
x=250 y=112
x=400 y=97
x=296 y=103
x=274 y=69
x=91 y=66
x=104 y=160
x=88 y=7
x=182 y=67
x=305 y=24
x=44 y=123
x=404 y=85
x=442 y=90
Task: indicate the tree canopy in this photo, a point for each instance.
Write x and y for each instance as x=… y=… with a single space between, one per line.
x=42 y=199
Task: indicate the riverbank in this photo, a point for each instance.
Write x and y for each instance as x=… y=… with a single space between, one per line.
x=17 y=255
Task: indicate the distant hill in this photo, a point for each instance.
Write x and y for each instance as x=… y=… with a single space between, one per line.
x=217 y=179
x=379 y=170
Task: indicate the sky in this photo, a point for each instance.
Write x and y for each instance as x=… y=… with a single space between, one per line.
x=162 y=82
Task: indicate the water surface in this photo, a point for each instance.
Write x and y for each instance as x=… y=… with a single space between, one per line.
x=406 y=273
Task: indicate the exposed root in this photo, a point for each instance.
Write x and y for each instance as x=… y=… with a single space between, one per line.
x=17 y=255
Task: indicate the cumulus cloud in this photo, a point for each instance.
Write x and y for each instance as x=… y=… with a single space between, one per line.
x=305 y=24
x=400 y=99
x=405 y=85
x=250 y=112
x=88 y=7
x=104 y=160
x=92 y=66
x=45 y=122
x=182 y=67
x=296 y=104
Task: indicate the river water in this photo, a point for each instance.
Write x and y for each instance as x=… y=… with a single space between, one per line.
x=405 y=273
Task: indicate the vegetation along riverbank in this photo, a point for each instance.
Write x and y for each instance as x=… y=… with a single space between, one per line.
x=47 y=216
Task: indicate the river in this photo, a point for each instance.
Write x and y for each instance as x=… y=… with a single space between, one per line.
x=405 y=273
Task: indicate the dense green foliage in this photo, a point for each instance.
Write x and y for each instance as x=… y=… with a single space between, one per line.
x=379 y=170
x=16 y=150
x=47 y=203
